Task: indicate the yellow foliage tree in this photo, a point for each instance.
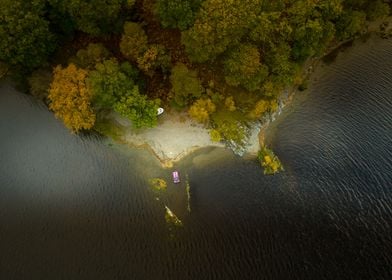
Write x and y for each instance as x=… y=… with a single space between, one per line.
x=215 y=135
x=201 y=110
x=260 y=108
x=263 y=106
x=70 y=98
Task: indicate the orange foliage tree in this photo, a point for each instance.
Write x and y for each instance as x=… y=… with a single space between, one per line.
x=70 y=98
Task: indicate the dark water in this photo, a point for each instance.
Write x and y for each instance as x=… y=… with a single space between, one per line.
x=74 y=208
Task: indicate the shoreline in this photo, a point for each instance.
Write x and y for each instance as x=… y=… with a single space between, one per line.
x=177 y=135
x=312 y=64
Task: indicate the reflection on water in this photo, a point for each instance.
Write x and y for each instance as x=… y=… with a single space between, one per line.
x=73 y=208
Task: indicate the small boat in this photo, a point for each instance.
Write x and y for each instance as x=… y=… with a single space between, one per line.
x=160 y=111
x=176 y=177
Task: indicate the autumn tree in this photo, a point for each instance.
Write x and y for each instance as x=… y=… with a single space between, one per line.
x=25 y=38
x=270 y=28
x=186 y=85
x=262 y=106
x=269 y=161
x=350 y=24
x=95 y=17
x=312 y=30
x=280 y=65
x=233 y=132
x=90 y=56
x=70 y=98
x=218 y=25
x=243 y=67
x=39 y=83
x=155 y=57
x=177 y=13
x=133 y=41
x=215 y=135
x=201 y=110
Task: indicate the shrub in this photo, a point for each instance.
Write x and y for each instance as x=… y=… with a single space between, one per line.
x=88 y=57
x=201 y=110
x=260 y=108
x=263 y=106
x=158 y=184
x=177 y=13
x=215 y=135
x=95 y=17
x=233 y=132
x=269 y=161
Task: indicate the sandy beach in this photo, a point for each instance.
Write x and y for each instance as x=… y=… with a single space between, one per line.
x=175 y=136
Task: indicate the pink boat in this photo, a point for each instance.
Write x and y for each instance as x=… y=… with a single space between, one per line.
x=176 y=177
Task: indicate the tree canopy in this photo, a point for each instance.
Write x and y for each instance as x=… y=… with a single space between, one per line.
x=224 y=61
x=243 y=67
x=218 y=25
x=186 y=85
x=108 y=83
x=25 y=38
x=70 y=98
x=138 y=108
x=177 y=13
x=133 y=41
x=95 y=17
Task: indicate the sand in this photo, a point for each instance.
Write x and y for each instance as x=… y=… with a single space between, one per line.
x=175 y=136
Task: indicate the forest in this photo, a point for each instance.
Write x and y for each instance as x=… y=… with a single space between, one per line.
x=224 y=62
